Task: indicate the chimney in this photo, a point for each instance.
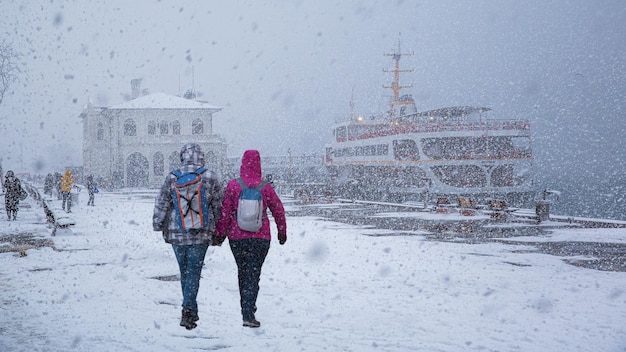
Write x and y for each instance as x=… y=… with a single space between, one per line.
x=135 y=86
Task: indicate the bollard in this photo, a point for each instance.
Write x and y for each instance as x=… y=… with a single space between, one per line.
x=542 y=209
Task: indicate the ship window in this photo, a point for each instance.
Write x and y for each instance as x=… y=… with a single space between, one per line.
x=522 y=147
x=344 y=152
x=502 y=176
x=449 y=148
x=461 y=175
x=382 y=149
x=340 y=134
x=368 y=150
x=405 y=149
x=510 y=175
x=433 y=148
x=176 y=127
x=329 y=154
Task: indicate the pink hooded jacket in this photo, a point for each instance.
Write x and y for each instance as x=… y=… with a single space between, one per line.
x=250 y=173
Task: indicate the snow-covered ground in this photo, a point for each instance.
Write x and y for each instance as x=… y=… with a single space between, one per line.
x=331 y=287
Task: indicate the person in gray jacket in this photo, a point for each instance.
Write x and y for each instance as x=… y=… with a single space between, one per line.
x=190 y=247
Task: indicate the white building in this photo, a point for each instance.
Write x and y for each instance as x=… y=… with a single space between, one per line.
x=136 y=143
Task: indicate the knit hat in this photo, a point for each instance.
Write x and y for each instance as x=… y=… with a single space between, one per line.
x=191 y=153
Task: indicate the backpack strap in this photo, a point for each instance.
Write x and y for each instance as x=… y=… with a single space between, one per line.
x=198 y=171
x=243 y=185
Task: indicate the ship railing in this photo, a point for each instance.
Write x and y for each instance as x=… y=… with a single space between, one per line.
x=484 y=126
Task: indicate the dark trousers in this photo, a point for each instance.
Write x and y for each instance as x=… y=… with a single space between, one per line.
x=249 y=255
x=12 y=213
x=67 y=198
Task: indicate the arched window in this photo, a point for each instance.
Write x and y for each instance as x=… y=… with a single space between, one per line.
x=151 y=128
x=136 y=170
x=158 y=163
x=165 y=128
x=176 y=127
x=211 y=159
x=197 y=127
x=174 y=160
x=130 y=129
x=100 y=131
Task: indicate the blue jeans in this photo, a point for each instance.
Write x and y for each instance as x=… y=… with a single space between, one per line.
x=190 y=261
x=249 y=255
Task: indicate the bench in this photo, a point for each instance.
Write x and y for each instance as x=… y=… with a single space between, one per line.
x=443 y=205
x=467 y=206
x=56 y=218
x=500 y=209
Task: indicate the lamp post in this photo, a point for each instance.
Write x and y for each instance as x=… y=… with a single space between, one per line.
x=428 y=184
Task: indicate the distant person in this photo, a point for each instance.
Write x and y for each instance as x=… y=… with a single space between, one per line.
x=48 y=184
x=12 y=189
x=249 y=247
x=57 y=185
x=189 y=245
x=91 y=189
x=67 y=181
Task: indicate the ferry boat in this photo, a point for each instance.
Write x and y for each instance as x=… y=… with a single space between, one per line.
x=451 y=151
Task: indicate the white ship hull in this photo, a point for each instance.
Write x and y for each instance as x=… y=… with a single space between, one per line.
x=480 y=159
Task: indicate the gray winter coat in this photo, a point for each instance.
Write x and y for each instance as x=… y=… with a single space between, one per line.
x=164 y=218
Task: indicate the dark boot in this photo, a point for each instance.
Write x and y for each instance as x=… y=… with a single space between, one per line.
x=251 y=323
x=194 y=316
x=187 y=319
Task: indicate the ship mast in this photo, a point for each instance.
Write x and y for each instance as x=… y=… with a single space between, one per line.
x=395 y=85
x=352 y=115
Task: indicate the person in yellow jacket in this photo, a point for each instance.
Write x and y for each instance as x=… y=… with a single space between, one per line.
x=66 y=186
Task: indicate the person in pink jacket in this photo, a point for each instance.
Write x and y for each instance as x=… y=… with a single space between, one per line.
x=249 y=248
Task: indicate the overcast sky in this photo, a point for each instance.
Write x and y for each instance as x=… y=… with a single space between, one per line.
x=283 y=71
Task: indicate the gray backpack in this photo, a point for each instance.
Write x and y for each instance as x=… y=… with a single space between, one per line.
x=250 y=207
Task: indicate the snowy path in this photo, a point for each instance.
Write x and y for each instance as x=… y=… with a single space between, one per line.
x=329 y=288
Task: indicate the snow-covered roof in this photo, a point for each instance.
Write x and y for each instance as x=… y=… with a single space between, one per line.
x=164 y=101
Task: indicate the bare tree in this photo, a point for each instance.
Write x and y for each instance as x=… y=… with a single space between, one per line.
x=9 y=68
